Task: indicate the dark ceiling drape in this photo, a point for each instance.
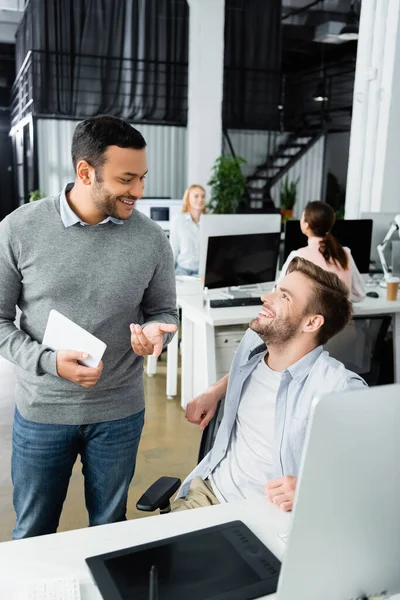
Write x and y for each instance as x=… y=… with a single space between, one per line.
x=123 y=57
x=252 y=85
x=129 y=58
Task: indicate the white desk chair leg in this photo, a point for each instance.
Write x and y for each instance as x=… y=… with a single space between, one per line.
x=151 y=368
x=172 y=367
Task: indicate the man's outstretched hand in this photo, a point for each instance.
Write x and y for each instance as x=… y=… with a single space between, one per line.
x=149 y=340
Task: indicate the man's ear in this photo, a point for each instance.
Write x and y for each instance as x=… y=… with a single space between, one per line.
x=313 y=323
x=84 y=172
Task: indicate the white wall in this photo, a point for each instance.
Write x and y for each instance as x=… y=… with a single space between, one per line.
x=166 y=147
x=205 y=89
x=390 y=201
x=373 y=183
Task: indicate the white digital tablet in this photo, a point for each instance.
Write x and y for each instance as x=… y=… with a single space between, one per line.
x=63 y=334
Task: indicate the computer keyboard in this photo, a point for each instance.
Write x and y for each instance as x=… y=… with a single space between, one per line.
x=227 y=302
x=62 y=588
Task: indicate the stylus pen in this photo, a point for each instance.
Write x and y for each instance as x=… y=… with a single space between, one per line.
x=153 y=587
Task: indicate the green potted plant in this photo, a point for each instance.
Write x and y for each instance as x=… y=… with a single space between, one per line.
x=35 y=195
x=288 y=193
x=227 y=184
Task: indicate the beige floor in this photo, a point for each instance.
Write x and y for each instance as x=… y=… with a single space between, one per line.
x=169 y=446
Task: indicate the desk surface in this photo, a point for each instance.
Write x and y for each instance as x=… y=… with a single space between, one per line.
x=195 y=309
x=63 y=554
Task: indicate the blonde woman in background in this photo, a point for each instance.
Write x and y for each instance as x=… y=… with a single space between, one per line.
x=184 y=234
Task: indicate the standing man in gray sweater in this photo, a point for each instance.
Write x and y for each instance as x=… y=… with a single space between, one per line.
x=90 y=255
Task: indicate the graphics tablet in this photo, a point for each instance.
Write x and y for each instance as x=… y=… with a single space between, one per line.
x=226 y=562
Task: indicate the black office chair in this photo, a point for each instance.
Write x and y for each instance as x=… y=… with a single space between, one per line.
x=360 y=346
x=159 y=494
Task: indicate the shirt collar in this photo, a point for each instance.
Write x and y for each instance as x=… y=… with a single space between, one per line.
x=301 y=368
x=298 y=370
x=188 y=217
x=69 y=217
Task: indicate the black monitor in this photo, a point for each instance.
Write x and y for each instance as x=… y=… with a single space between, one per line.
x=159 y=213
x=234 y=260
x=355 y=234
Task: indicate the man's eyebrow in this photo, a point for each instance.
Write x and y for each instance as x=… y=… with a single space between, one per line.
x=284 y=290
x=129 y=174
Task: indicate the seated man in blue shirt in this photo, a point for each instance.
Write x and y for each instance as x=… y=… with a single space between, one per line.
x=269 y=392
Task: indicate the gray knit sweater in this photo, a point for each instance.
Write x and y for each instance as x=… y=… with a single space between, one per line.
x=103 y=277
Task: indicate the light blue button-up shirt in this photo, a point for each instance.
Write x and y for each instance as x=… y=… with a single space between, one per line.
x=68 y=216
x=315 y=374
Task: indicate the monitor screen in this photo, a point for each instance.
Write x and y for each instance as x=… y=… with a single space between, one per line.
x=215 y=225
x=159 y=213
x=234 y=260
x=354 y=234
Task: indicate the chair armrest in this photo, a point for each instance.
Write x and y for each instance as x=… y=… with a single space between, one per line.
x=158 y=495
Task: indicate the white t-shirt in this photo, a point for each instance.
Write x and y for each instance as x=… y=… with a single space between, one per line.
x=248 y=463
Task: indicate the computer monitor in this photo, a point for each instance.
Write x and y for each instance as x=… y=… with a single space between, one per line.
x=219 y=225
x=344 y=541
x=234 y=260
x=160 y=210
x=354 y=234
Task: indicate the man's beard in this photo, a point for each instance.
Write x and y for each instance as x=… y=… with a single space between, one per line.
x=278 y=332
x=106 y=202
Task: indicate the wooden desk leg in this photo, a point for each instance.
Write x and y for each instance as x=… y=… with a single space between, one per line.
x=172 y=367
x=396 y=347
x=187 y=358
x=151 y=368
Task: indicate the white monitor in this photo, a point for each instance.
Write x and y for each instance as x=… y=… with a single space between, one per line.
x=345 y=537
x=161 y=211
x=380 y=227
x=220 y=225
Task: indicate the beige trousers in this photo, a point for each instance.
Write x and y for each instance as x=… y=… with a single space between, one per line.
x=200 y=494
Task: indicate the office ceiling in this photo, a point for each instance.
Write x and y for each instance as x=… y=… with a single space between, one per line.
x=302 y=23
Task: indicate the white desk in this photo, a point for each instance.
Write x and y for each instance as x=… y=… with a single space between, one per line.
x=198 y=323
x=63 y=554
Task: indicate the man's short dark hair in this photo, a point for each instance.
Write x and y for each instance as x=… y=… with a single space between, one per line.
x=330 y=298
x=93 y=136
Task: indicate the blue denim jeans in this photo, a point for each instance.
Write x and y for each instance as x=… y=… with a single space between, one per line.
x=42 y=459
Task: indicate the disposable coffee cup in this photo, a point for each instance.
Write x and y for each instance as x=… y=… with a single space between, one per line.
x=392 y=288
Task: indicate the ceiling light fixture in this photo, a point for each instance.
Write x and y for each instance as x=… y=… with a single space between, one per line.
x=320 y=92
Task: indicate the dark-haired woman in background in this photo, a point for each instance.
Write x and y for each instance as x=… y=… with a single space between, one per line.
x=324 y=250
